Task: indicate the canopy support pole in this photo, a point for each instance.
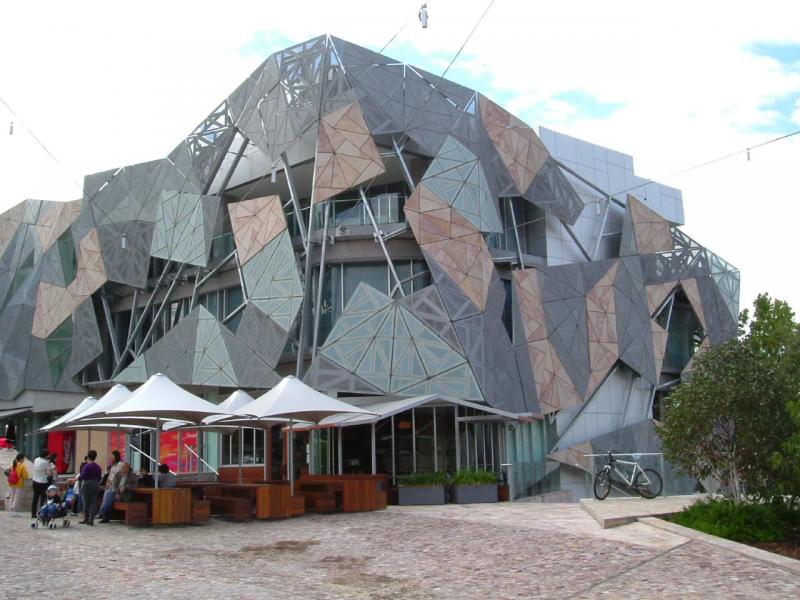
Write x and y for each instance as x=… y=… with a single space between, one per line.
x=158 y=448
x=241 y=452
x=458 y=442
x=394 y=473
x=374 y=457
x=291 y=457
x=266 y=455
x=341 y=456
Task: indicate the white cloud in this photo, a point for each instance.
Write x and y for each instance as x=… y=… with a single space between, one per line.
x=105 y=84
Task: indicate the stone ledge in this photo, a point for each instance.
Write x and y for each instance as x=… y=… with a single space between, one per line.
x=770 y=558
x=615 y=512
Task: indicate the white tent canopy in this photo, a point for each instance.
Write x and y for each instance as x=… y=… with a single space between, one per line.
x=293 y=399
x=232 y=403
x=61 y=423
x=159 y=399
x=111 y=399
x=392 y=406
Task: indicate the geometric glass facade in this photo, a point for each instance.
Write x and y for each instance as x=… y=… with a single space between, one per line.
x=378 y=231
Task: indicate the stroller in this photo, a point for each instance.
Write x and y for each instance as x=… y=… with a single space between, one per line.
x=55 y=508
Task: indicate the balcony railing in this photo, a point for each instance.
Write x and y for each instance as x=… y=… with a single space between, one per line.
x=351 y=212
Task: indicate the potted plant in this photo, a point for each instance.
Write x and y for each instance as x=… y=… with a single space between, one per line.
x=421 y=488
x=469 y=487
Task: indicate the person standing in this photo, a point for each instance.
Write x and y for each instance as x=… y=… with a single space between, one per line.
x=17 y=475
x=78 y=505
x=53 y=458
x=91 y=474
x=42 y=469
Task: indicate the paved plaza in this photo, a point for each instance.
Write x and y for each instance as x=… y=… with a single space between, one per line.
x=519 y=550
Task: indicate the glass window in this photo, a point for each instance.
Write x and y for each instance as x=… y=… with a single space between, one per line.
x=424 y=280
x=252 y=444
x=404 y=271
x=331 y=300
x=507 y=308
x=445 y=438
x=423 y=420
x=348 y=212
x=374 y=274
x=403 y=443
x=233 y=300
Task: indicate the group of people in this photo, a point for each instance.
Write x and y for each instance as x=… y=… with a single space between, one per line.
x=44 y=473
x=118 y=482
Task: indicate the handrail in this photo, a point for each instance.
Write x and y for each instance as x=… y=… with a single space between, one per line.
x=627 y=454
x=150 y=458
x=200 y=458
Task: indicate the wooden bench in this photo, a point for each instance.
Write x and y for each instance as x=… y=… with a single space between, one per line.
x=354 y=492
x=135 y=513
x=297 y=506
x=230 y=507
x=321 y=501
x=201 y=511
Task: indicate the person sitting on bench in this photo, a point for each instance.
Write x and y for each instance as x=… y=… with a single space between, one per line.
x=118 y=490
x=166 y=478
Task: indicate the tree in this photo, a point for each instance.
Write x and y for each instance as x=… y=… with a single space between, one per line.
x=731 y=419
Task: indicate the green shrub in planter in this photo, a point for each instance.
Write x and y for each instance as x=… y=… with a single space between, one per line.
x=469 y=487
x=421 y=488
x=434 y=478
x=479 y=477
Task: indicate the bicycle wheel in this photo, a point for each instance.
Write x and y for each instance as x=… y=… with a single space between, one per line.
x=602 y=485
x=648 y=483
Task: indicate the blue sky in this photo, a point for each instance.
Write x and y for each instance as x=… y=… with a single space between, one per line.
x=110 y=84
x=783 y=107
x=467 y=71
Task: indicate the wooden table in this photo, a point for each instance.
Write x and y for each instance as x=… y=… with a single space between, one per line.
x=166 y=506
x=270 y=500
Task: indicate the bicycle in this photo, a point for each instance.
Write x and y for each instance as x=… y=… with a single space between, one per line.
x=645 y=482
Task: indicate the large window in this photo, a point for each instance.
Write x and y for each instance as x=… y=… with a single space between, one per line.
x=222 y=303
x=530 y=227
x=251 y=442
x=685 y=334
x=341 y=280
x=347 y=209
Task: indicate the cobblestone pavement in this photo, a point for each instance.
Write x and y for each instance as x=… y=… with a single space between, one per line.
x=498 y=551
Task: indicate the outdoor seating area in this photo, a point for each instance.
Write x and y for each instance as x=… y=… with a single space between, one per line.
x=305 y=452
x=235 y=494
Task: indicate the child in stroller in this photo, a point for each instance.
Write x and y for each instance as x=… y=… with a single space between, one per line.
x=55 y=508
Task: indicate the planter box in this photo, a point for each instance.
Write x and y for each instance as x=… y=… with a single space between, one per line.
x=473 y=494
x=408 y=495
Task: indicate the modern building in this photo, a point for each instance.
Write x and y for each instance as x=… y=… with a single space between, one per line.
x=391 y=237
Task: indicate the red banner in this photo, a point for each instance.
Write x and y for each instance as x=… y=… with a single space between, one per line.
x=116 y=441
x=62 y=443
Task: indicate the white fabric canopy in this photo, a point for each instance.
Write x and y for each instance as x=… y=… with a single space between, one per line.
x=391 y=406
x=232 y=403
x=111 y=399
x=161 y=400
x=86 y=404
x=158 y=400
x=293 y=399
